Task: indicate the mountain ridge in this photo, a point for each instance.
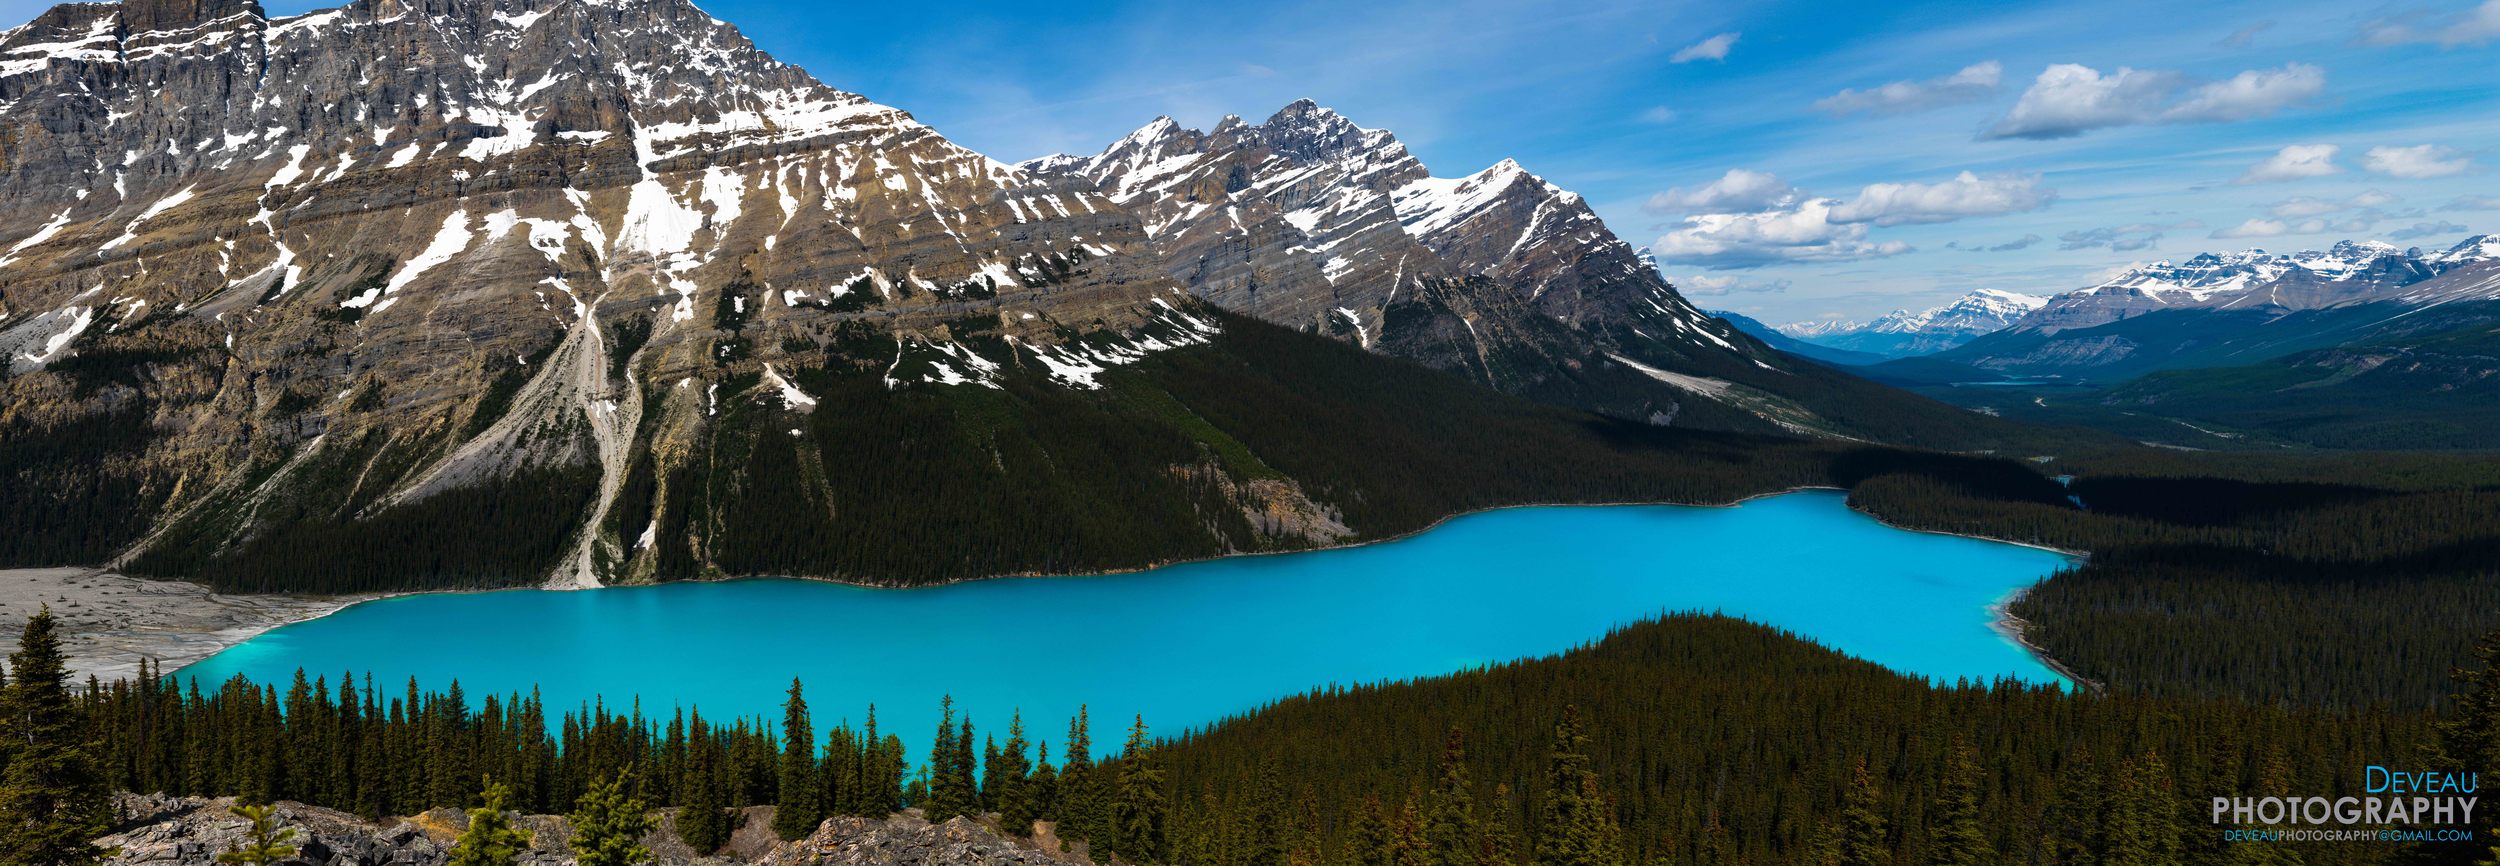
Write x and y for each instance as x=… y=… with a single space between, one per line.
x=1902 y=333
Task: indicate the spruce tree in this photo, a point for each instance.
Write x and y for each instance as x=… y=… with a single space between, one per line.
x=797 y=809
x=53 y=798
x=1138 y=806
x=1864 y=838
x=1958 y=837
x=2144 y=825
x=702 y=823
x=608 y=825
x=1042 y=787
x=263 y=843
x=1500 y=845
x=1007 y=778
x=1449 y=828
x=1579 y=827
x=2468 y=741
x=1079 y=809
x=490 y=840
x=1369 y=840
x=945 y=800
x=2274 y=778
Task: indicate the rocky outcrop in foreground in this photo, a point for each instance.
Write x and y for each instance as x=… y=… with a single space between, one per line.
x=189 y=831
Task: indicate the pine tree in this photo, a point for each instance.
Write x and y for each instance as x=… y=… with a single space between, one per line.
x=702 y=823
x=490 y=840
x=2143 y=826
x=1079 y=803
x=2072 y=825
x=2274 y=778
x=608 y=825
x=945 y=800
x=1008 y=778
x=1407 y=846
x=798 y=808
x=1959 y=838
x=1501 y=845
x=2468 y=740
x=264 y=843
x=1864 y=839
x=53 y=798
x=1579 y=827
x=1369 y=840
x=1263 y=812
x=1450 y=821
x=1305 y=847
x=1138 y=807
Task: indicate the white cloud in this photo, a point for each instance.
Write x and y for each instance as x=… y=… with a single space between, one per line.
x=1975 y=81
x=2293 y=163
x=2248 y=95
x=1706 y=286
x=2254 y=228
x=2265 y=228
x=2133 y=236
x=2371 y=198
x=1966 y=195
x=2416 y=162
x=2475 y=26
x=1738 y=190
x=2246 y=36
x=2424 y=230
x=2303 y=206
x=1800 y=233
x=1657 y=114
x=2069 y=99
x=2473 y=202
x=2364 y=207
x=1757 y=220
x=1713 y=48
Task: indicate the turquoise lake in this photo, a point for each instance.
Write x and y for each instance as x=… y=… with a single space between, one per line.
x=1193 y=643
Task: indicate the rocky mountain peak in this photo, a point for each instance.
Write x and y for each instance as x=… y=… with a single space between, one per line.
x=355 y=219
x=1313 y=221
x=2347 y=271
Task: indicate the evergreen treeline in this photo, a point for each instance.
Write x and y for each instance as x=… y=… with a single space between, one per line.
x=1689 y=740
x=1721 y=742
x=2328 y=580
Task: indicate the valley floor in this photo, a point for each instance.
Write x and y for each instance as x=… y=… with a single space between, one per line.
x=111 y=621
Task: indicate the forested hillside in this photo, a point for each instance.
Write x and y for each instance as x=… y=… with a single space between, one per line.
x=1263 y=439
x=1693 y=739
x=2343 y=581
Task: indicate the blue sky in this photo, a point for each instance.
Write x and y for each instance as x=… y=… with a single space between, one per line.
x=2281 y=125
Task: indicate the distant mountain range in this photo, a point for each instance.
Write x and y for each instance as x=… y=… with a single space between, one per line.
x=1902 y=333
x=2205 y=311
x=1772 y=337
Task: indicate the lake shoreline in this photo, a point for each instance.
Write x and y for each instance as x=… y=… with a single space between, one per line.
x=183 y=623
x=110 y=621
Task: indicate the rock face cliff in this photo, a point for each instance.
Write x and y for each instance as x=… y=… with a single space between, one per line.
x=189 y=831
x=399 y=249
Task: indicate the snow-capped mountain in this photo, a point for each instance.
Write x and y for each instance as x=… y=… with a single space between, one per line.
x=574 y=279
x=2251 y=279
x=1902 y=333
x=477 y=242
x=1311 y=221
x=2224 y=308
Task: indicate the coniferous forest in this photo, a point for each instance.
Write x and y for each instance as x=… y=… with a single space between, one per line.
x=1690 y=739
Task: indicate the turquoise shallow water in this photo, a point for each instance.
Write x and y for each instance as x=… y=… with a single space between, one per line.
x=1190 y=644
